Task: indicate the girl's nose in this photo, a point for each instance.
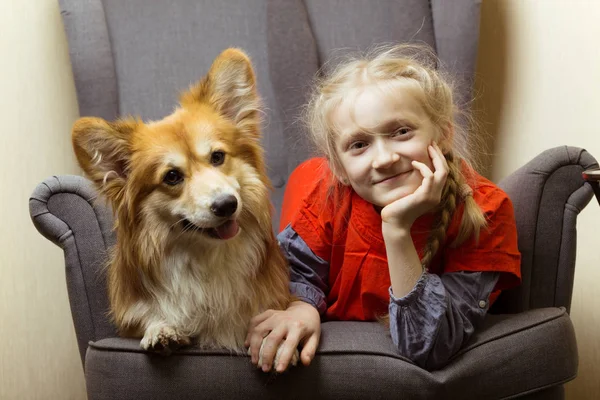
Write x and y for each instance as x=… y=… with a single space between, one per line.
x=383 y=156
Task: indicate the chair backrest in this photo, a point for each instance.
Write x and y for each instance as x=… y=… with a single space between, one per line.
x=133 y=57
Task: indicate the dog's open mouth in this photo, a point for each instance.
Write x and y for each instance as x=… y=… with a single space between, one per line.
x=225 y=231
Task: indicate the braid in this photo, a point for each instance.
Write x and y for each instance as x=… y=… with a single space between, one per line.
x=446 y=211
x=473 y=218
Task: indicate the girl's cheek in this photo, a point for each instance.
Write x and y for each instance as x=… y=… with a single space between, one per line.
x=421 y=154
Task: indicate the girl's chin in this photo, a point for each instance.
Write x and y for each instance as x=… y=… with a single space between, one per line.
x=393 y=196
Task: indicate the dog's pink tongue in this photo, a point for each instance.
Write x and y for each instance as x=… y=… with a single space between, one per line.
x=228 y=230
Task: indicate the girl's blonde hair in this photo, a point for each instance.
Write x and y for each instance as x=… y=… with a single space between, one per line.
x=411 y=67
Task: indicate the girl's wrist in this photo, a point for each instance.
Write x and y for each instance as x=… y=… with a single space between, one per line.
x=395 y=232
x=299 y=303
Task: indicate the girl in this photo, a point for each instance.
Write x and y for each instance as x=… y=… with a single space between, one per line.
x=392 y=220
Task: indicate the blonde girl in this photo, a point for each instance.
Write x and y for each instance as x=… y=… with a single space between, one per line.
x=391 y=220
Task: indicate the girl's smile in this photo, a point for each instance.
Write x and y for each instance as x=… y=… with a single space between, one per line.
x=392 y=179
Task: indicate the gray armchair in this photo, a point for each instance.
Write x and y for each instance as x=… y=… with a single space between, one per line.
x=132 y=57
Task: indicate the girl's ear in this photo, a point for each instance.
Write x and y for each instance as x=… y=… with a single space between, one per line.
x=344 y=181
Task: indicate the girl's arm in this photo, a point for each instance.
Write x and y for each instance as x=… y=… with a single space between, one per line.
x=308 y=272
x=300 y=323
x=397 y=218
x=431 y=316
x=433 y=320
x=403 y=260
x=438 y=316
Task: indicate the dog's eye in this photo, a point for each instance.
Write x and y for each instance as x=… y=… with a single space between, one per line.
x=173 y=177
x=217 y=158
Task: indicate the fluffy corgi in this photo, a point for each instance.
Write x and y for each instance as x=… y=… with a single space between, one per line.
x=195 y=257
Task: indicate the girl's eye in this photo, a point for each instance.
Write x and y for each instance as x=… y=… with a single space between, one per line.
x=358 y=145
x=173 y=177
x=217 y=158
x=402 y=131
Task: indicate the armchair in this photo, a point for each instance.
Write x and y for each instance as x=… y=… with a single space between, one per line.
x=132 y=57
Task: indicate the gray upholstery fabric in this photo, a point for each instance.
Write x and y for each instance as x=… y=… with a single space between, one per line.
x=350 y=25
x=65 y=210
x=355 y=361
x=453 y=23
x=449 y=27
x=548 y=193
x=132 y=57
x=91 y=57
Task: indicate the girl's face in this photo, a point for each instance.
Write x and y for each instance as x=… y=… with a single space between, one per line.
x=378 y=166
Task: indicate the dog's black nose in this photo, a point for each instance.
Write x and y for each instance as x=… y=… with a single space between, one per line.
x=224 y=206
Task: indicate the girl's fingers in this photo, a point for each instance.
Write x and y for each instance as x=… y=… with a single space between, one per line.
x=256 y=337
x=269 y=347
x=427 y=176
x=309 y=349
x=255 y=344
x=441 y=167
x=423 y=169
x=440 y=152
x=260 y=318
x=439 y=163
x=254 y=322
x=288 y=348
x=437 y=158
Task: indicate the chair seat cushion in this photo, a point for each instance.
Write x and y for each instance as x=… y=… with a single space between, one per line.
x=509 y=355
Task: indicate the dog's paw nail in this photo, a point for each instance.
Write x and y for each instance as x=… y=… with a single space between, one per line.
x=163 y=340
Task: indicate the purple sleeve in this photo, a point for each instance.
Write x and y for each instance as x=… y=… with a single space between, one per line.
x=308 y=272
x=436 y=319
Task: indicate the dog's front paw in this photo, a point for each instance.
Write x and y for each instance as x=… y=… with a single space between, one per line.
x=293 y=361
x=163 y=339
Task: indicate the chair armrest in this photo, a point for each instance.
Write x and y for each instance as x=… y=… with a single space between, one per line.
x=547 y=193
x=51 y=215
x=64 y=209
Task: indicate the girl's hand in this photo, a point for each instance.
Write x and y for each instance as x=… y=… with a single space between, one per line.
x=401 y=214
x=299 y=324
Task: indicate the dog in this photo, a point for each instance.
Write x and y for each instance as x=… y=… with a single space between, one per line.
x=195 y=257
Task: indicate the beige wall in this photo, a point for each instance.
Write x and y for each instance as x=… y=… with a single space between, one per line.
x=539 y=72
x=39 y=357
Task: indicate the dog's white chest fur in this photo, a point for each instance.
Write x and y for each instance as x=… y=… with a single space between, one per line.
x=206 y=292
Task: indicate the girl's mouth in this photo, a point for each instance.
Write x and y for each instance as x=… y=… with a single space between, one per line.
x=392 y=177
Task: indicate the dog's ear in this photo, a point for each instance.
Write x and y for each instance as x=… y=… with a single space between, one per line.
x=230 y=87
x=103 y=151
